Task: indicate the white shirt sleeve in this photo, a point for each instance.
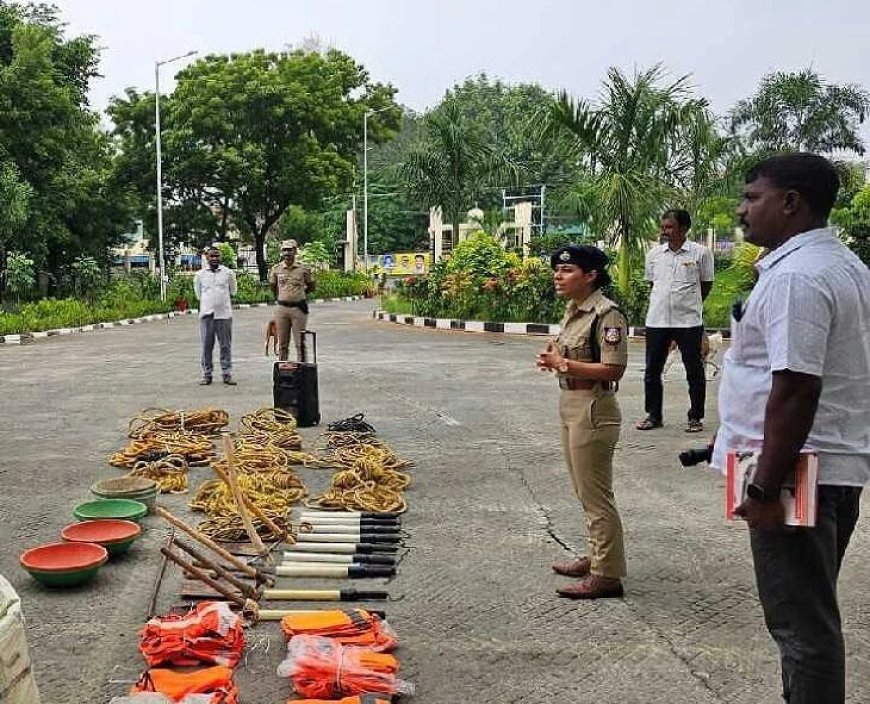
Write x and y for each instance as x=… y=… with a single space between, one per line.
x=799 y=317
x=649 y=265
x=233 y=286
x=197 y=286
x=706 y=265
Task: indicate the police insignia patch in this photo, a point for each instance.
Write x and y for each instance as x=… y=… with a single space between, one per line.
x=565 y=256
x=612 y=336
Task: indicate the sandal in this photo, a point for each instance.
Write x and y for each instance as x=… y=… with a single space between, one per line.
x=648 y=423
x=694 y=426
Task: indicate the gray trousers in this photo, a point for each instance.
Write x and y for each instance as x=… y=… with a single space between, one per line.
x=796 y=571
x=209 y=328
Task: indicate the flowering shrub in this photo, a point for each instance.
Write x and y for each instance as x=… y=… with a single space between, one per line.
x=481 y=281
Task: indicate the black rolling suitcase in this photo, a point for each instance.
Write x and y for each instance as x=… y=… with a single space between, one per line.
x=294 y=385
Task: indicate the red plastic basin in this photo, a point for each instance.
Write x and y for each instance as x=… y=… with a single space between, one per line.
x=64 y=557
x=103 y=531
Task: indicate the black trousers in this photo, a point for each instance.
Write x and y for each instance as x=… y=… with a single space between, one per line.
x=658 y=341
x=796 y=571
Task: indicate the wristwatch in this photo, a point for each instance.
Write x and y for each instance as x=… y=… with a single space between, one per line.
x=762 y=494
x=562 y=367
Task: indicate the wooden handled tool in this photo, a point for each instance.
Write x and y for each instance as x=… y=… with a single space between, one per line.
x=322 y=595
x=240 y=502
x=278 y=614
x=249 y=590
x=203 y=576
x=202 y=539
x=256 y=510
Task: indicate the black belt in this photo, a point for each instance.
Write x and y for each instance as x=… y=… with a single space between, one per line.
x=302 y=305
x=572 y=384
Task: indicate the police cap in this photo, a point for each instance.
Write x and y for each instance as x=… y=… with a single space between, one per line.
x=289 y=244
x=585 y=256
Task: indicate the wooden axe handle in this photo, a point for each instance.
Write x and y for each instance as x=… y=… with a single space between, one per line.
x=202 y=576
x=246 y=589
x=237 y=495
x=207 y=542
x=256 y=510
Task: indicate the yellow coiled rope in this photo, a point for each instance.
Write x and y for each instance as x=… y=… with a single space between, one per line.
x=203 y=421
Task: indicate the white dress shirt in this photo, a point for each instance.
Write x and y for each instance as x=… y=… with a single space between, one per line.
x=213 y=289
x=675 y=300
x=808 y=313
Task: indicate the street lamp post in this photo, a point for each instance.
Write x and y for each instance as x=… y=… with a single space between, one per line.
x=160 y=257
x=366 y=184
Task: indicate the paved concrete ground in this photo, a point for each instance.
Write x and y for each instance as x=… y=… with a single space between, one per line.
x=490 y=508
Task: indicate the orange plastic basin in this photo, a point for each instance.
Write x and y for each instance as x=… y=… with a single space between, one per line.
x=64 y=557
x=103 y=531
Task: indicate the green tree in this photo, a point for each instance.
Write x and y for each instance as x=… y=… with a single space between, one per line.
x=506 y=116
x=632 y=145
x=855 y=223
x=316 y=254
x=48 y=133
x=800 y=111
x=454 y=163
x=88 y=276
x=20 y=275
x=278 y=129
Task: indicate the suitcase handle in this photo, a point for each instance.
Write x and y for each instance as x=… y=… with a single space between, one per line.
x=313 y=345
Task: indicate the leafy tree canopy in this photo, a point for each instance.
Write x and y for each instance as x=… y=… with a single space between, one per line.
x=800 y=111
x=248 y=135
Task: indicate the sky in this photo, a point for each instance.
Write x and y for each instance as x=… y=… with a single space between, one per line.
x=423 y=47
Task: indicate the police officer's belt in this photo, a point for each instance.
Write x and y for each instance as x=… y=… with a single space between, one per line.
x=302 y=305
x=572 y=384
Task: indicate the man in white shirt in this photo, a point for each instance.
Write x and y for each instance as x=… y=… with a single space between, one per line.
x=214 y=287
x=681 y=273
x=797 y=377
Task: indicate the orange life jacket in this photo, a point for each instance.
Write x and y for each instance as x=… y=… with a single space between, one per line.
x=322 y=667
x=216 y=681
x=359 y=699
x=211 y=633
x=348 y=627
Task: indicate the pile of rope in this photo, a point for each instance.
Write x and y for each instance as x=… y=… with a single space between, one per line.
x=170 y=473
x=263 y=453
x=352 y=424
x=368 y=480
x=196 y=449
x=250 y=458
x=271 y=491
x=230 y=529
x=203 y=421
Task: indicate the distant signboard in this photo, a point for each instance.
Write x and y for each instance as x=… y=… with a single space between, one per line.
x=400 y=263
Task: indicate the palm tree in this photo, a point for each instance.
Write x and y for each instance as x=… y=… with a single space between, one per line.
x=633 y=143
x=452 y=163
x=800 y=112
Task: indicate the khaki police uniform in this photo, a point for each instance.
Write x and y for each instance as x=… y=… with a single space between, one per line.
x=590 y=424
x=291 y=313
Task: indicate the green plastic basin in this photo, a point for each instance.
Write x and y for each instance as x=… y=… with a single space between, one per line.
x=64 y=579
x=111 y=508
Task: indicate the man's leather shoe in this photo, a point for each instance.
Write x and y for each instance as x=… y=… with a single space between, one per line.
x=573 y=568
x=205 y=381
x=228 y=380
x=593 y=587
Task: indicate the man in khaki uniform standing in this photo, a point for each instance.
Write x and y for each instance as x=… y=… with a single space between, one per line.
x=590 y=356
x=291 y=283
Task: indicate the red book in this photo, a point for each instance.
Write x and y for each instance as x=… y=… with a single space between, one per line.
x=799 y=492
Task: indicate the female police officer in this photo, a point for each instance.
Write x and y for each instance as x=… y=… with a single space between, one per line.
x=590 y=355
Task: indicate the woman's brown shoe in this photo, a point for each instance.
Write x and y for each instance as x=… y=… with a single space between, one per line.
x=593 y=587
x=573 y=568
